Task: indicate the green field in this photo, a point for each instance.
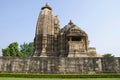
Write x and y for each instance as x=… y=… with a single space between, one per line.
x=3 y=78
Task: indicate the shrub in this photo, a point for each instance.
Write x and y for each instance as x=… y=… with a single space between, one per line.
x=30 y=75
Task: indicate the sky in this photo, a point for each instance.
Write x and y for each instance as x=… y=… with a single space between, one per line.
x=100 y=19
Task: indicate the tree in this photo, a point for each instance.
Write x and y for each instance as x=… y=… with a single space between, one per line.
x=27 y=49
x=5 y=52
x=107 y=55
x=12 y=50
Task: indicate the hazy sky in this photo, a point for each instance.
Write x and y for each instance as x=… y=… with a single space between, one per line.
x=99 y=18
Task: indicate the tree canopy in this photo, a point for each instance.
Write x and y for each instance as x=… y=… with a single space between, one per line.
x=26 y=49
x=107 y=55
x=12 y=50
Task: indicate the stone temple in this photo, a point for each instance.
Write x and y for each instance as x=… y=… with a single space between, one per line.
x=60 y=51
x=51 y=41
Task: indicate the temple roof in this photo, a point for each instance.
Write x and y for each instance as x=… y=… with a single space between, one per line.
x=46 y=6
x=72 y=29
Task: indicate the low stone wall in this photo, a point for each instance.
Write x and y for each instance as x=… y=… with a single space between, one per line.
x=60 y=65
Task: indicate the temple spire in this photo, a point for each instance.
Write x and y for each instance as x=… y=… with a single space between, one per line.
x=70 y=22
x=46 y=6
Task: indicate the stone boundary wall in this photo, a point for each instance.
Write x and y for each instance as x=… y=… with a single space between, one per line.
x=53 y=65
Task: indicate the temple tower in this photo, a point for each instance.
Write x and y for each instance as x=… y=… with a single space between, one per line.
x=50 y=40
x=74 y=41
x=46 y=29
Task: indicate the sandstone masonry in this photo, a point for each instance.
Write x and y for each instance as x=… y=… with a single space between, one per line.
x=60 y=65
x=51 y=41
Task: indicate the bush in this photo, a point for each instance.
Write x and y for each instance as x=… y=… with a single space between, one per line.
x=30 y=75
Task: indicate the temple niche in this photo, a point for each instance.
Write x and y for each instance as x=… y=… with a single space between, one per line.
x=50 y=40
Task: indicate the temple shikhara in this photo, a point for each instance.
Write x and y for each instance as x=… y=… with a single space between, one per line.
x=51 y=40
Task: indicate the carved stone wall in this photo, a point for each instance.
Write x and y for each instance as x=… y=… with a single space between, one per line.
x=60 y=65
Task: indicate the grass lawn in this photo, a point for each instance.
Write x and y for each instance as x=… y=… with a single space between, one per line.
x=3 y=78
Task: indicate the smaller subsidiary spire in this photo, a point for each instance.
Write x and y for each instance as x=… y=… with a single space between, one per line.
x=46 y=6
